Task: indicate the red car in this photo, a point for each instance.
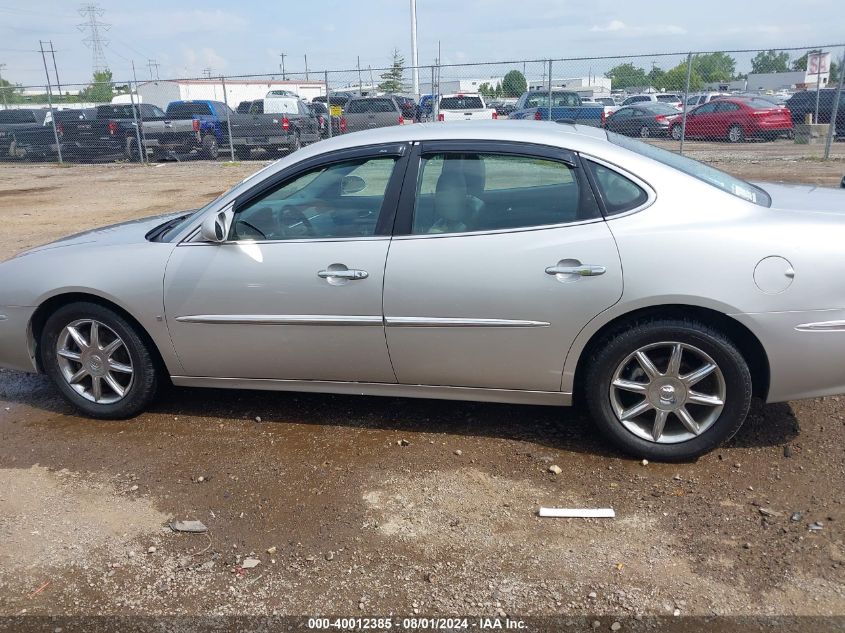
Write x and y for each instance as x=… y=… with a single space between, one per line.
x=735 y=119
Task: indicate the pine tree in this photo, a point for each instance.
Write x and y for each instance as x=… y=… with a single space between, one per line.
x=392 y=79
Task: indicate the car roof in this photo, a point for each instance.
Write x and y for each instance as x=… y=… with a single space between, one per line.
x=574 y=137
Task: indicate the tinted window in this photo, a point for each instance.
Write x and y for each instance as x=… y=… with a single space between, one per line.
x=357 y=106
x=725 y=106
x=707 y=108
x=623 y=113
x=619 y=193
x=339 y=200
x=541 y=99
x=151 y=111
x=708 y=174
x=668 y=98
x=759 y=104
x=659 y=108
x=457 y=193
x=461 y=103
x=17 y=116
x=187 y=110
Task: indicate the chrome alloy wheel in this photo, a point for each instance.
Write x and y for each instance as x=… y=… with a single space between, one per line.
x=94 y=361
x=667 y=392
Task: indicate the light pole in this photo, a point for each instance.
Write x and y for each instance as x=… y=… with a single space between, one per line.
x=282 y=65
x=414 y=56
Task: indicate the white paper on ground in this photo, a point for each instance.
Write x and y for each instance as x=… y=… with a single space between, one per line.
x=578 y=513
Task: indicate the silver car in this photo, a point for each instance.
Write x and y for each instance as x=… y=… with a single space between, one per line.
x=523 y=262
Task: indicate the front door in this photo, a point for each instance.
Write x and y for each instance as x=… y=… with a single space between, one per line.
x=504 y=259
x=296 y=290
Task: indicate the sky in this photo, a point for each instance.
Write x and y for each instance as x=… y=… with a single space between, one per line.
x=248 y=36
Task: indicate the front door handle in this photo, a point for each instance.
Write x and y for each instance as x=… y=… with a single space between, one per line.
x=343 y=274
x=583 y=270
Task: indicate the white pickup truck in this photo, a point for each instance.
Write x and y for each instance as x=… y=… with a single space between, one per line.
x=464 y=107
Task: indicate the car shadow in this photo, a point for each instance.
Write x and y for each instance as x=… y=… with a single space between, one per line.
x=562 y=428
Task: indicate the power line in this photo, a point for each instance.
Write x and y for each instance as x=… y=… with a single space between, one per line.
x=95 y=41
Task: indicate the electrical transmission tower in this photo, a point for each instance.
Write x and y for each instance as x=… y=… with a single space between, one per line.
x=95 y=41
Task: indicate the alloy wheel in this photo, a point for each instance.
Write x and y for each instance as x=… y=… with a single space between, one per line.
x=94 y=361
x=668 y=392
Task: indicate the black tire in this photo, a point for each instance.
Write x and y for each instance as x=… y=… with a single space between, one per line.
x=608 y=355
x=243 y=153
x=132 y=153
x=144 y=383
x=296 y=144
x=645 y=132
x=675 y=132
x=735 y=134
x=210 y=149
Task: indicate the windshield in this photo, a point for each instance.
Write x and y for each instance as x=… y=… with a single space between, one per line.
x=177 y=228
x=708 y=174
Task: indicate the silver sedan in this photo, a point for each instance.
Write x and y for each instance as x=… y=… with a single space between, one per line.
x=523 y=262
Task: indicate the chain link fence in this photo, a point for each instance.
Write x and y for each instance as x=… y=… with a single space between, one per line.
x=717 y=106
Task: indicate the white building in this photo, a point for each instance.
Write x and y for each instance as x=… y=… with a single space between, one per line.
x=162 y=92
x=451 y=86
x=591 y=86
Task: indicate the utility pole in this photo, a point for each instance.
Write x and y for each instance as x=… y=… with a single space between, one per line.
x=306 y=67
x=95 y=41
x=3 y=88
x=282 y=66
x=414 y=56
x=151 y=63
x=50 y=102
x=360 y=85
x=56 y=68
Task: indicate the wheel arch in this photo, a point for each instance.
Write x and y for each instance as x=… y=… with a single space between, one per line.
x=747 y=342
x=53 y=303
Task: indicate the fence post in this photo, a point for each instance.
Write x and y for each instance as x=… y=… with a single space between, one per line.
x=143 y=138
x=686 y=97
x=50 y=104
x=550 y=90
x=228 y=120
x=137 y=120
x=831 y=130
x=329 y=104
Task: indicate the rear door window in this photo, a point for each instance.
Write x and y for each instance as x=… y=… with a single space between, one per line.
x=461 y=103
x=187 y=110
x=465 y=192
x=619 y=194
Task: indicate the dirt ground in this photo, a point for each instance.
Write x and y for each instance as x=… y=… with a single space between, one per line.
x=377 y=506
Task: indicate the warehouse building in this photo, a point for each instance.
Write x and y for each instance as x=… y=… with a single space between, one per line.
x=162 y=92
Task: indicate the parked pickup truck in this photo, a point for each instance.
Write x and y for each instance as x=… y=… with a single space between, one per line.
x=39 y=142
x=566 y=106
x=366 y=113
x=464 y=107
x=112 y=130
x=188 y=126
x=275 y=123
x=14 y=120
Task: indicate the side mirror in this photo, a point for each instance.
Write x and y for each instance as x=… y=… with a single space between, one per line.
x=352 y=184
x=215 y=228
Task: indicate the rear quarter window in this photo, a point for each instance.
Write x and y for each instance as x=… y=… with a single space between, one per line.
x=619 y=194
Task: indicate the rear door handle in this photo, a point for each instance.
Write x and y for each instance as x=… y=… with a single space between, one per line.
x=583 y=270
x=343 y=274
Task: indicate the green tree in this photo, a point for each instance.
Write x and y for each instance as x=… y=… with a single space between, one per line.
x=655 y=77
x=9 y=93
x=626 y=76
x=770 y=62
x=675 y=79
x=101 y=89
x=393 y=78
x=513 y=84
x=486 y=90
x=714 y=66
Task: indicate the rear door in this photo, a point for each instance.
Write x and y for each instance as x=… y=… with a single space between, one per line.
x=483 y=287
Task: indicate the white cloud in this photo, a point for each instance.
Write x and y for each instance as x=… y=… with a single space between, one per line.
x=618 y=26
x=196 y=60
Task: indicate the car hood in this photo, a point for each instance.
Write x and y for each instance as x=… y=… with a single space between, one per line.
x=130 y=232
x=805 y=197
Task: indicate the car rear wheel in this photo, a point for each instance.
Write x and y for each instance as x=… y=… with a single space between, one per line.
x=668 y=390
x=243 y=153
x=210 y=148
x=132 y=153
x=645 y=132
x=735 y=134
x=296 y=144
x=98 y=361
x=675 y=132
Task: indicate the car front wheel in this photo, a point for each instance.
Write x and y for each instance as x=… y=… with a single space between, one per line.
x=668 y=390
x=98 y=361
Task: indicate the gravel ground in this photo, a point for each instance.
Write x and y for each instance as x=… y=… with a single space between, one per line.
x=360 y=506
